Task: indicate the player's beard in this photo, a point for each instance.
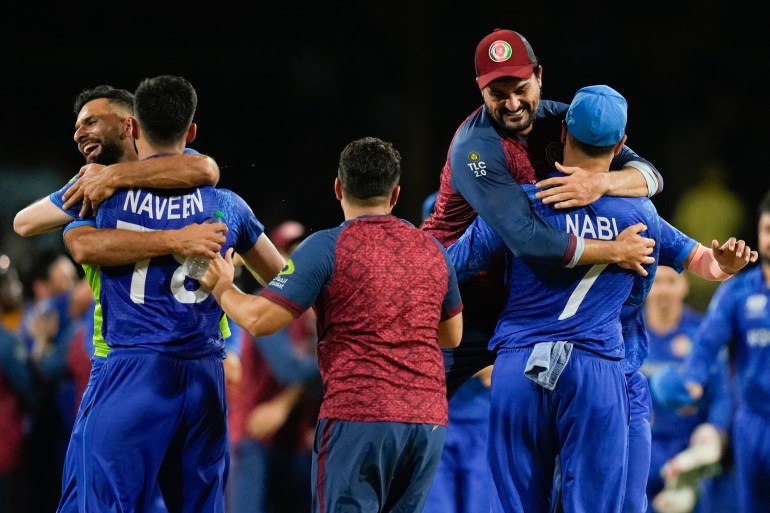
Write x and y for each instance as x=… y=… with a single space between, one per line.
x=110 y=153
x=524 y=125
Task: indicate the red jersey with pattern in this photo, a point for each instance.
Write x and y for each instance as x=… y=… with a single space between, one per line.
x=452 y=213
x=380 y=287
x=495 y=153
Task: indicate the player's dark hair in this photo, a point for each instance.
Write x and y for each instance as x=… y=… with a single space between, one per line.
x=120 y=96
x=369 y=168
x=165 y=106
x=591 y=151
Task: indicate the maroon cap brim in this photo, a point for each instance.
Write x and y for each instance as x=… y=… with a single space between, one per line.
x=524 y=71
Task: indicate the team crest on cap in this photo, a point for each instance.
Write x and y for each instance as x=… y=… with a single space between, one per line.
x=500 y=51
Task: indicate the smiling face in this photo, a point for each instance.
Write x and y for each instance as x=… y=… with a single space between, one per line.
x=512 y=102
x=103 y=132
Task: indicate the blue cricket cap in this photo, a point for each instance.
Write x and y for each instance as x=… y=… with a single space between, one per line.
x=597 y=116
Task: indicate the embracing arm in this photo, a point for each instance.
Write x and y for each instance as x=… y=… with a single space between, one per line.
x=629 y=250
x=631 y=176
x=96 y=183
x=104 y=246
x=579 y=187
x=170 y=172
x=40 y=217
x=504 y=205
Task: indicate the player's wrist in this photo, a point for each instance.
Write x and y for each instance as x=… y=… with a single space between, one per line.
x=615 y=251
x=221 y=289
x=115 y=176
x=605 y=184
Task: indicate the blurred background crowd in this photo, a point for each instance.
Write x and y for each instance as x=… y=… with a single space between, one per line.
x=280 y=93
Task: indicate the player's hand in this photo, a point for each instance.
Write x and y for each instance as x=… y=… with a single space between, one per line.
x=92 y=188
x=634 y=249
x=577 y=189
x=267 y=418
x=733 y=255
x=220 y=273
x=203 y=240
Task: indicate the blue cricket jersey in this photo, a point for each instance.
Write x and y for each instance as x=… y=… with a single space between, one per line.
x=152 y=304
x=673 y=249
x=581 y=305
x=671 y=348
x=738 y=312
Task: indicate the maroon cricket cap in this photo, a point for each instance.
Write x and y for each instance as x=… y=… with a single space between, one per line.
x=503 y=53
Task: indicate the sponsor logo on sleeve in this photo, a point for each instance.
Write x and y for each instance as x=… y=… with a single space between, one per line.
x=476 y=165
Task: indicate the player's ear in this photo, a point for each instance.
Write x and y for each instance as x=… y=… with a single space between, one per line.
x=127 y=127
x=619 y=146
x=133 y=127
x=192 y=131
x=338 y=188
x=394 y=195
x=563 y=132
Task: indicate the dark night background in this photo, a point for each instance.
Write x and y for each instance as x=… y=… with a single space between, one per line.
x=283 y=87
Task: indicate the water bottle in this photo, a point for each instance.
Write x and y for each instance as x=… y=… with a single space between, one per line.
x=195 y=266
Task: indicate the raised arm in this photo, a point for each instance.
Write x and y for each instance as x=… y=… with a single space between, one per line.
x=96 y=183
x=720 y=262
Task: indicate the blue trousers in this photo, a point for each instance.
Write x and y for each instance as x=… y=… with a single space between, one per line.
x=583 y=422
x=384 y=467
